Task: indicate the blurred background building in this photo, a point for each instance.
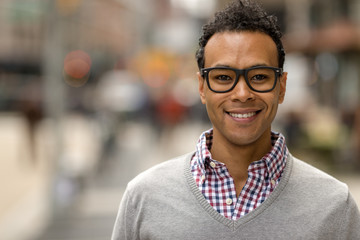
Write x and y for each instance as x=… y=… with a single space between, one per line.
x=88 y=88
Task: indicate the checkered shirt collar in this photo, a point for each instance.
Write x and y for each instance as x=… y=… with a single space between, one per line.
x=272 y=159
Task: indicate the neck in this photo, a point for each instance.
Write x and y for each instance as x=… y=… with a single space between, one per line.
x=237 y=158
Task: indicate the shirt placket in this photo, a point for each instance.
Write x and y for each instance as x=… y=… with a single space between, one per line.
x=226 y=188
x=249 y=196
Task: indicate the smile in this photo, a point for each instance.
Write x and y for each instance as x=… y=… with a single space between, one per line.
x=246 y=115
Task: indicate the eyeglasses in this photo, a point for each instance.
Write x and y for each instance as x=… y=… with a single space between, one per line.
x=224 y=79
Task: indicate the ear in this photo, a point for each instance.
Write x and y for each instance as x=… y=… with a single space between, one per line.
x=201 y=88
x=283 y=79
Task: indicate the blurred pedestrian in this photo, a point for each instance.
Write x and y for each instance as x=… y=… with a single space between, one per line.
x=241 y=182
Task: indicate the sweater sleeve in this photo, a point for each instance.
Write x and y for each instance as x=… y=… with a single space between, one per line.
x=123 y=228
x=350 y=226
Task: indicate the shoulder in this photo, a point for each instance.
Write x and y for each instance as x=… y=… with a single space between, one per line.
x=312 y=192
x=312 y=174
x=306 y=179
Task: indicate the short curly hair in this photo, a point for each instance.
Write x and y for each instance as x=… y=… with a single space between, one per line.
x=241 y=15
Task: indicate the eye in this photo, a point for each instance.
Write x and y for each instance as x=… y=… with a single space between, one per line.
x=261 y=75
x=258 y=78
x=223 y=78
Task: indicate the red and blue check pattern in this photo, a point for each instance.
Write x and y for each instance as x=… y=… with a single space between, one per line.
x=218 y=188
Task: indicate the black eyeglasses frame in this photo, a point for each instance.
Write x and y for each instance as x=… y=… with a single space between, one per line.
x=205 y=74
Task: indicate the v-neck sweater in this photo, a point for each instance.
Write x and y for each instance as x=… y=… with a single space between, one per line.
x=164 y=202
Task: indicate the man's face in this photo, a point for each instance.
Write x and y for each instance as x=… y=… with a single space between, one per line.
x=241 y=117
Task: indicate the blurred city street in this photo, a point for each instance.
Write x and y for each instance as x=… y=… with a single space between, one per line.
x=91 y=211
x=94 y=92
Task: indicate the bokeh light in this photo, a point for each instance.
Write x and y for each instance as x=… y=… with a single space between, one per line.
x=66 y=7
x=155 y=67
x=77 y=65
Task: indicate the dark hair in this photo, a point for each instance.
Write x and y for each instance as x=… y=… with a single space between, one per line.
x=241 y=15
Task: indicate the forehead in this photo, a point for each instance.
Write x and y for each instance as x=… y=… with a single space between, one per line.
x=240 y=49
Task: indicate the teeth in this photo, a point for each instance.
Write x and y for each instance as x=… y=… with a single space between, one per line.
x=246 y=115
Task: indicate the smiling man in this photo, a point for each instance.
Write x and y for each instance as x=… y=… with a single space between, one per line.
x=241 y=182
x=241 y=107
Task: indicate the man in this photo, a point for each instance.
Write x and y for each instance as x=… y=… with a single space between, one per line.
x=241 y=182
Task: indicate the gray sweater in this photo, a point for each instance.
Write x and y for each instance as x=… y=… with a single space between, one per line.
x=164 y=202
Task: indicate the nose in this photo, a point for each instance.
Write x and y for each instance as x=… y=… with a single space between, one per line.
x=241 y=91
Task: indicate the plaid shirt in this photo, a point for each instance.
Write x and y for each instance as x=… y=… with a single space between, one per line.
x=218 y=188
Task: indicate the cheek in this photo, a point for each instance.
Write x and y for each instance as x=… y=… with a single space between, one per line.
x=213 y=104
x=210 y=104
x=272 y=102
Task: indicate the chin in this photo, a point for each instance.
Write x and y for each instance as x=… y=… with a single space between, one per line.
x=241 y=139
x=245 y=138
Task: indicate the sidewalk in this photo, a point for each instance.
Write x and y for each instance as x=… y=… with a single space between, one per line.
x=23 y=180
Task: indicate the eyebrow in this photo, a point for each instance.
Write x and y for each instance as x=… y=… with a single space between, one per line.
x=255 y=65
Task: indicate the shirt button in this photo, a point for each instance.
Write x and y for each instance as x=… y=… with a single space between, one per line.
x=273 y=182
x=229 y=201
x=212 y=164
x=202 y=178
